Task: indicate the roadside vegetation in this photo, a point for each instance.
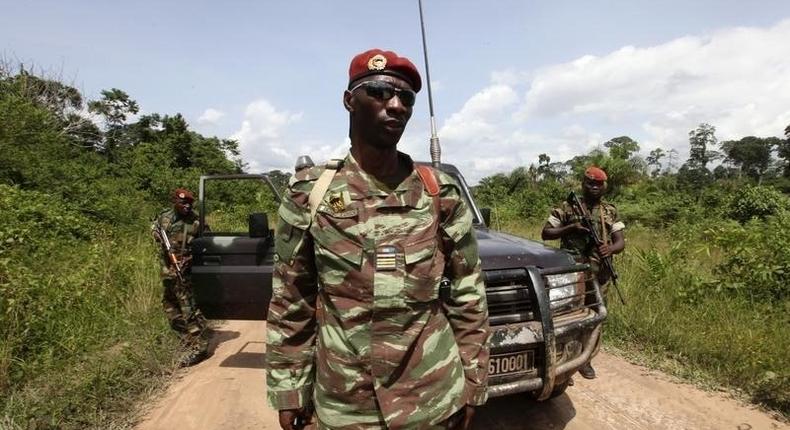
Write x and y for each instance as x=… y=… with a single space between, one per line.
x=706 y=271
x=83 y=339
x=82 y=334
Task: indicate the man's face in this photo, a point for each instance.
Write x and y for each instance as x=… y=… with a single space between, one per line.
x=183 y=207
x=380 y=111
x=593 y=188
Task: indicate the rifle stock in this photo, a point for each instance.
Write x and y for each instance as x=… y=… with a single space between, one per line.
x=576 y=204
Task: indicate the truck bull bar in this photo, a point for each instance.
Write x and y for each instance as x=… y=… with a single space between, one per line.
x=544 y=383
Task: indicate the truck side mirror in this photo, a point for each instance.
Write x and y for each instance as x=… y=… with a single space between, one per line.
x=486 y=212
x=259 y=225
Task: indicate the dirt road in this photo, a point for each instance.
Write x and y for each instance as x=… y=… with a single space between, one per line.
x=227 y=391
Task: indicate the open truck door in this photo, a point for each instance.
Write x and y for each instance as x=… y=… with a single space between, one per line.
x=233 y=254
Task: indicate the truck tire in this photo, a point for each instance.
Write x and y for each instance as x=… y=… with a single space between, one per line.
x=558 y=390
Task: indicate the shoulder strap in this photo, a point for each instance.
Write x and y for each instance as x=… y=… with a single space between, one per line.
x=429 y=180
x=321 y=185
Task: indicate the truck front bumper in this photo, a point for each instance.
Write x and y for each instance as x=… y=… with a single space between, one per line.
x=559 y=347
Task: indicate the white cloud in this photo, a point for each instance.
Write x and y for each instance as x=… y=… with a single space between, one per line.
x=735 y=79
x=210 y=116
x=260 y=137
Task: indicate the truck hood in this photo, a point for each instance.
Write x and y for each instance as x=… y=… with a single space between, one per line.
x=502 y=251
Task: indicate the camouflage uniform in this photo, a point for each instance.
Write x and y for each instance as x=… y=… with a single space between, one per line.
x=356 y=324
x=177 y=300
x=579 y=244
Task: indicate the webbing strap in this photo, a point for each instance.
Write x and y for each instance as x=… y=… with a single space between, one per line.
x=603 y=227
x=321 y=185
x=429 y=180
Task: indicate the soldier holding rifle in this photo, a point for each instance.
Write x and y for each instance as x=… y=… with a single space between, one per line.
x=174 y=229
x=566 y=223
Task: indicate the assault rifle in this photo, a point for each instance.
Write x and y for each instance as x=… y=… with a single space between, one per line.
x=168 y=250
x=587 y=223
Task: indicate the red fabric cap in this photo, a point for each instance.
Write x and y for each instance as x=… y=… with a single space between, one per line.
x=595 y=173
x=378 y=62
x=182 y=194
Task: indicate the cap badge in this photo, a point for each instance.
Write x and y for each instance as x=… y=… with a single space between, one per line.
x=377 y=62
x=181 y=195
x=336 y=203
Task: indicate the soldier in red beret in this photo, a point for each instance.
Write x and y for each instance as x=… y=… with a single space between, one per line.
x=181 y=225
x=356 y=326
x=564 y=224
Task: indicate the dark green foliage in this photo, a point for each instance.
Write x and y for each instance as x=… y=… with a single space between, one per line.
x=757 y=261
x=783 y=150
x=82 y=335
x=702 y=140
x=749 y=202
x=752 y=155
x=622 y=147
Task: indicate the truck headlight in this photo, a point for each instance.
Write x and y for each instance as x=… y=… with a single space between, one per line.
x=563 y=289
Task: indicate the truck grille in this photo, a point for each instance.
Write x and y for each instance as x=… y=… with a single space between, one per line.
x=508 y=295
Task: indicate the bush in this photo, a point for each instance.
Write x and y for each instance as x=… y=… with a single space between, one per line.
x=756 y=202
x=757 y=259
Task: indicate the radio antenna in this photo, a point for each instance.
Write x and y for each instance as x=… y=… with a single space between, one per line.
x=436 y=149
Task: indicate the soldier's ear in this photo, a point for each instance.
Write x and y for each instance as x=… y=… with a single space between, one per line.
x=348 y=101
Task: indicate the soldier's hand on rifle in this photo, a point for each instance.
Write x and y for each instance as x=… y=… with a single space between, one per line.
x=577 y=228
x=604 y=251
x=294 y=419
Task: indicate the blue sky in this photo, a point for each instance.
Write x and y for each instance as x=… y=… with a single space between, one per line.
x=512 y=79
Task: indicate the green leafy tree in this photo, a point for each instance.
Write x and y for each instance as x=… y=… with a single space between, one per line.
x=751 y=155
x=654 y=159
x=701 y=141
x=115 y=107
x=622 y=147
x=784 y=152
x=694 y=173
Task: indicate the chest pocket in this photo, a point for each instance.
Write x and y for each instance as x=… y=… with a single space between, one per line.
x=338 y=251
x=423 y=269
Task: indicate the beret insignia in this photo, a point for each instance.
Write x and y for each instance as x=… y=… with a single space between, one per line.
x=377 y=62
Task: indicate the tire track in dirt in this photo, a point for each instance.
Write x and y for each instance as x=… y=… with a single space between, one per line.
x=228 y=391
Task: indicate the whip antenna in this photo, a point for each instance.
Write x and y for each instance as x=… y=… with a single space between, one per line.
x=436 y=149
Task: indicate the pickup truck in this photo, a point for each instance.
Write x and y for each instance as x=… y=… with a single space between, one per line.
x=545 y=310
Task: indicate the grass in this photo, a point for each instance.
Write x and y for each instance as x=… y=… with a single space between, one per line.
x=95 y=343
x=678 y=320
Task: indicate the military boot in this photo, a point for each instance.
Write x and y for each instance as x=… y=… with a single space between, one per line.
x=197 y=351
x=587 y=371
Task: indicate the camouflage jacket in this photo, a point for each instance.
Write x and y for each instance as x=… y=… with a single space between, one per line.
x=582 y=244
x=180 y=231
x=355 y=322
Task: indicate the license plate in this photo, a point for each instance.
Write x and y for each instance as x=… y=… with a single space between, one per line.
x=516 y=362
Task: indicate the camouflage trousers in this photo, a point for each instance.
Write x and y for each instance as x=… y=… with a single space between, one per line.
x=182 y=312
x=374 y=426
x=604 y=287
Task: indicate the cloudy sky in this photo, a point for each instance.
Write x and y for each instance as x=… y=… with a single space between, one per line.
x=512 y=79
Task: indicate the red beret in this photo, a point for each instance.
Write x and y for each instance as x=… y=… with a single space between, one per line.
x=180 y=194
x=595 y=173
x=378 y=62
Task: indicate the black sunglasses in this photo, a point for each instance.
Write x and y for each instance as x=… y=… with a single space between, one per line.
x=382 y=90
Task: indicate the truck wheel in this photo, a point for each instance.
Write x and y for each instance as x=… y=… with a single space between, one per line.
x=558 y=390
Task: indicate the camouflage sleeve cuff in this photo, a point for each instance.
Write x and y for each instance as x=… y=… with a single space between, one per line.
x=476 y=395
x=554 y=221
x=619 y=225
x=290 y=399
